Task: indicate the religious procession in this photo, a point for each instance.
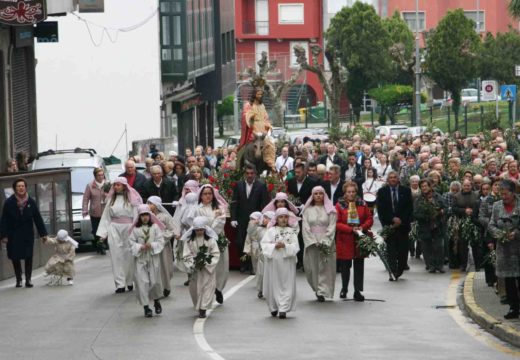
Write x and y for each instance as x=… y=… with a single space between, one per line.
x=282 y=208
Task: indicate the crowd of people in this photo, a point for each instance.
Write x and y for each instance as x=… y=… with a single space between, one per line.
x=448 y=199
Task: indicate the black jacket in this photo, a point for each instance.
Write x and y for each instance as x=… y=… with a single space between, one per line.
x=305 y=191
x=339 y=191
x=337 y=160
x=166 y=192
x=404 y=210
x=358 y=178
x=139 y=182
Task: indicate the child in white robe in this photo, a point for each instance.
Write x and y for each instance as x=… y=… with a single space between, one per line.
x=146 y=243
x=201 y=255
x=185 y=221
x=279 y=247
x=62 y=262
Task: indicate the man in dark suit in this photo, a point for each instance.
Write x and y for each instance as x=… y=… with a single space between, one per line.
x=334 y=186
x=352 y=171
x=395 y=208
x=331 y=158
x=300 y=186
x=135 y=178
x=160 y=186
x=249 y=195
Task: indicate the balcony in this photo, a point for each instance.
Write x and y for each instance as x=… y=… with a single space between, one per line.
x=283 y=71
x=255 y=27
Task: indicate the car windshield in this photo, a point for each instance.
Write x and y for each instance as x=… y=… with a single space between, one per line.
x=398 y=131
x=79 y=178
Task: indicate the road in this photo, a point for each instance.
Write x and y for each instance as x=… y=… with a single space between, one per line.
x=407 y=320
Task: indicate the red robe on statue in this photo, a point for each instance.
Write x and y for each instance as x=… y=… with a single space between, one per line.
x=246 y=133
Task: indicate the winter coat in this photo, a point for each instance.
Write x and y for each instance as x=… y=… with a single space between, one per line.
x=346 y=248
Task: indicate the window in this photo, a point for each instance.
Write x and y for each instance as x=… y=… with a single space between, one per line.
x=290 y=14
x=409 y=18
x=303 y=44
x=260 y=47
x=480 y=25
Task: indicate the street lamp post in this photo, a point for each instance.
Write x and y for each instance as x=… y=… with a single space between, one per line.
x=478 y=33
x=417 y=69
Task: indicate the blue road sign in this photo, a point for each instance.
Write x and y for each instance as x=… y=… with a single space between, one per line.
x=508 y=92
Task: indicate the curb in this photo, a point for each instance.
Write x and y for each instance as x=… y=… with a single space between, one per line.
x=497 y=327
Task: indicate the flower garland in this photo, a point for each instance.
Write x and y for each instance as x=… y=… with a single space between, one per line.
x=222 y=242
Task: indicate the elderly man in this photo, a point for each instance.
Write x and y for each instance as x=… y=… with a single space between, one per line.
x=284 y=160
x=160 y=186
x=134 y=178
x=331 y=158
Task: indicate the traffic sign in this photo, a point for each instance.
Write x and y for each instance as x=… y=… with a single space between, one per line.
x=508 y=92
x=517 y=70
x=489 y=90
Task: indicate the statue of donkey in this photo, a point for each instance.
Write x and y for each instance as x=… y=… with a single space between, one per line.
x=253 y=154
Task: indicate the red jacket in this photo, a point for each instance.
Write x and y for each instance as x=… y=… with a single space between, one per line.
x=346 y=248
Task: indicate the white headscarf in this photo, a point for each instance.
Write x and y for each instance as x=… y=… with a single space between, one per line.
x=157 y=202
x=63 y=235
x=200 y=222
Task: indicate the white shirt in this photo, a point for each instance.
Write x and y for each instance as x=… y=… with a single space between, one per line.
x=158 y=185
x=281 y=161
x=383 y=170
x=299 y=184
x=333 y=188
x=329 y=161
x=350 y=173
x=249 y=187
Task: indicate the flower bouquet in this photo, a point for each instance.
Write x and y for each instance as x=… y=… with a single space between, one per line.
x=225 y=181
x=491 y=258
x=387 y=231
x=222 y=242
x=469 y=232
x=367 y=245
x=106 y=187
x=325 y=252
x=203 y=258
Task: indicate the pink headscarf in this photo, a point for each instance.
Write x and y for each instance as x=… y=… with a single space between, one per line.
x=293 y=219
x=327 y=203
x=133 y=196
x=280 y=196
x=222 y=204
x=192 y=186
x=145 y=209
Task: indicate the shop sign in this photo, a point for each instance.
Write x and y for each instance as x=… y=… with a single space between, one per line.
x=22 y=12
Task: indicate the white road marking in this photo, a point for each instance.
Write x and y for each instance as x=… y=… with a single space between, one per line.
x=198 y=326
x=43 y=272
x=469 y=327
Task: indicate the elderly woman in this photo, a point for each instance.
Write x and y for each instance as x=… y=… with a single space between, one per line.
x=214 y=208
x=115 y=224
x=16 y=228
x=166 y=265
x=94 y=204
x=354 y=216
x=414 y=186
x=318 y=231
x=504 y=227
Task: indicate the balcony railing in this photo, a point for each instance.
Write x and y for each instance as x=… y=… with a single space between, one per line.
x=282 y=72
x=255 y=27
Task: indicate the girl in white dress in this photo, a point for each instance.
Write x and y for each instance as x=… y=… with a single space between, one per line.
x=213 y=206
x=201 y=255
x=280 y=246
x=146 y=243
x=155 y=204
x=252 y=245
x=116 y=221
x=319 y=230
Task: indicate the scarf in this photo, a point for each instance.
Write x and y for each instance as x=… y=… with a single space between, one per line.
x=99 y=185
x=21 y=202
x=352 y=214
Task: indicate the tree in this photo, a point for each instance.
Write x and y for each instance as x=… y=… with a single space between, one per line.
x=402 y=48
x=451 y=60
x=392 y=98
x=358 y=35
x=225 y=108
x=514 y=8
x=334 y=84
x=275 y=90
x=498 y=57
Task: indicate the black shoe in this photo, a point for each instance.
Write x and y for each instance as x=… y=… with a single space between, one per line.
x=28 y=284
x=282 y=315
x=260 y=295
x=503 y=300
x=242 y=269
x=412 y=253
x=120 y=290
x=218 y=296
x=18 y=283
x=432 y=271
x=358 y=296
x=343 y=294
x=252 y=272
x=490 y=284
x=391 y=279
x=187 y=282
x=321 y=298
x=157 y=306
x=166 y=292
x=202 y=314
x=441 y=271
x=102 y=251
x=417 y=256
x=147 y=312
x=512 y=314
x=274 y=313
x=130 y=287
x=406 y=268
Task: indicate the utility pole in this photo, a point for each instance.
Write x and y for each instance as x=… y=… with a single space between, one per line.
x=417 y=69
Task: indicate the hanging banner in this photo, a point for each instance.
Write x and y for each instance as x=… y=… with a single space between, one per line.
x=91 y=6
x=22 y=12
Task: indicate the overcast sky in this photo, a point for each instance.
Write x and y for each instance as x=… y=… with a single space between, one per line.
x=85 y=93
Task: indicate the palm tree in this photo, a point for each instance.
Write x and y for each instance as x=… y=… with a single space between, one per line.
x=514 y=8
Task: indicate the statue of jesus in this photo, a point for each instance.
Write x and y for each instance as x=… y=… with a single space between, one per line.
x=255 y=120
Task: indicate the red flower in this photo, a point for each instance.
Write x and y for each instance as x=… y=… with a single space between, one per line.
x=270 y=187
x=233 y=184
x=216 y=187
x=211 y=179
x=226 y=175
x=230 y=192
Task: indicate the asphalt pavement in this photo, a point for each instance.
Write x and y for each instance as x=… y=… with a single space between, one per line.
x=409 y=319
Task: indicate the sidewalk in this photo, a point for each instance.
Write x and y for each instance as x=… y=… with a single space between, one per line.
x=484 y=307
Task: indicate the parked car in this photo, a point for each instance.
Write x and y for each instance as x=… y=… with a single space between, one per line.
x=82 y=163
x=233 y=140
x=417 y=131
x=388 y=130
